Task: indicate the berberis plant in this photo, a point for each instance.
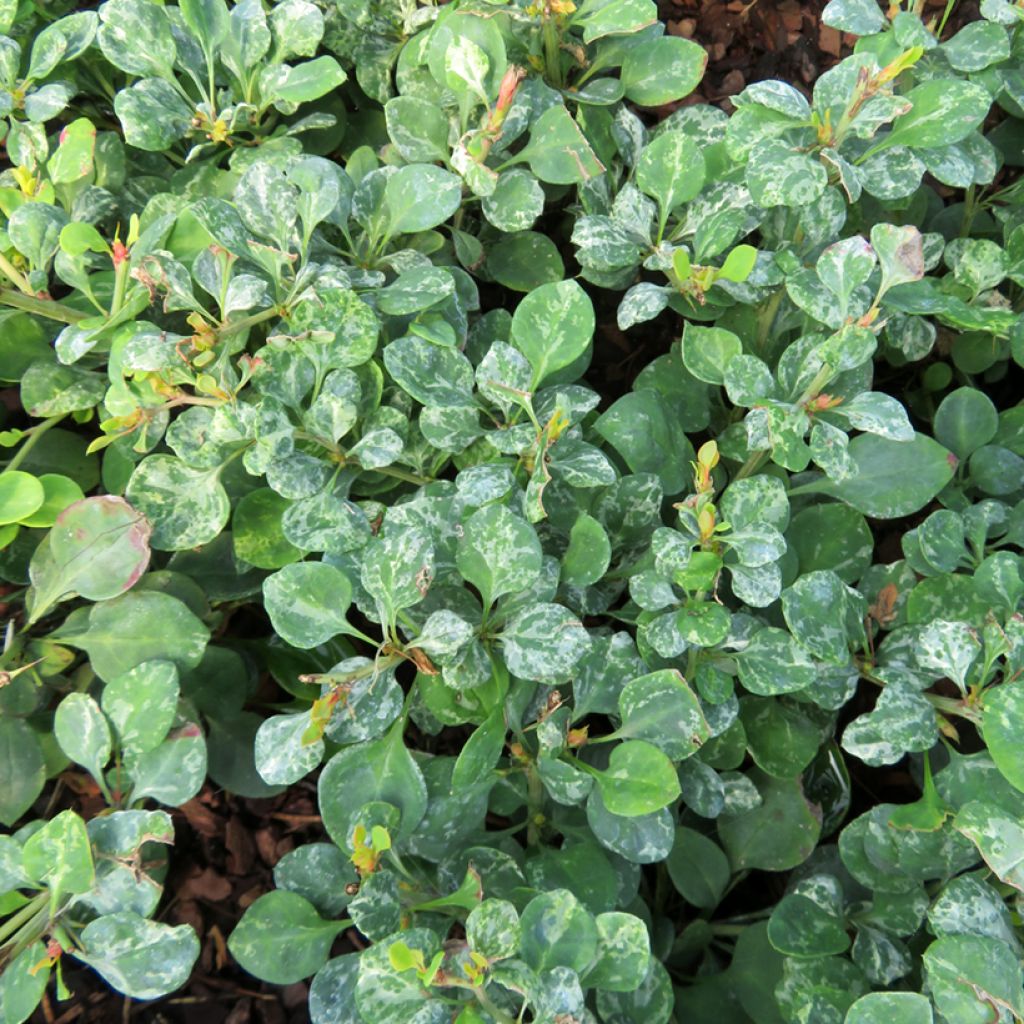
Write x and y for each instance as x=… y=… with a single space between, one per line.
x=697 y=703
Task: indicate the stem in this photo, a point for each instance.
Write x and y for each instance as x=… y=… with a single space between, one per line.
x=27 y=912
x=35 y=433
x=120 y=286
x=751 y=465
x=767 y=317
x=534 y=802
x=41 y=307
x=552 y=54
x=15 y=275
x=491 y=1007
x=245 y=323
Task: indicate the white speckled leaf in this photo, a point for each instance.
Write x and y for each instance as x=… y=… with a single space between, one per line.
x=814 y=609
x=173 y=772
x=498 y=553
x=999 y=837
x=1003 y=727
x=82 y=732
x=544 y=642
x=141 y=704
x=902 y=721
x=59 y=856
x=307 y=602
x=397 y=569
x=890 y=1008
x=281 y=755
x=773 y=663
x=143 y=959
x=968 y=976
x=662 y=709
x=186 y=507
x=492 y=929
x=950 y=648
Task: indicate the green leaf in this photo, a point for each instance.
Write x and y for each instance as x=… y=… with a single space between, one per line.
x=969 y=976
x=553 y=326
x=891 y=479
x=965 y=420
x=98 y=548
x=557 y=931
x=309 y=80
x=282 y=939
x=138 y=627
x=525 y=260
x=135 y=36
x=662 y=70
x=418 y=129
x=256 y=530
x=22 y=768
x=516 y=202
x=662 y=709
x=708 y=351
x=588 y=554
x=59 y=856
x=781 y=739
x=943 y=111
x=143 y=959
x=808 y=921
x=419 y=197
x=172 y=772
x=83 y=733
x=320 y=872
x=307 y=603
x=778 y=834
x=671 y=170
x=35 y=229
x=558 y=152
x=639 y=780
x=60 y=491
x=141 y=704
x=698 y=868
x=644 y=428
x=21 y=494
x=23 y=983
x=379 y=770
x=890 y=1008
x=1001 y=727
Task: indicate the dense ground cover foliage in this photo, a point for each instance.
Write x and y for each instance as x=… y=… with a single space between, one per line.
x=300 y=304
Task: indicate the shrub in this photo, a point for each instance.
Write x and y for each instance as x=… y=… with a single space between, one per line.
x=597 y=683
